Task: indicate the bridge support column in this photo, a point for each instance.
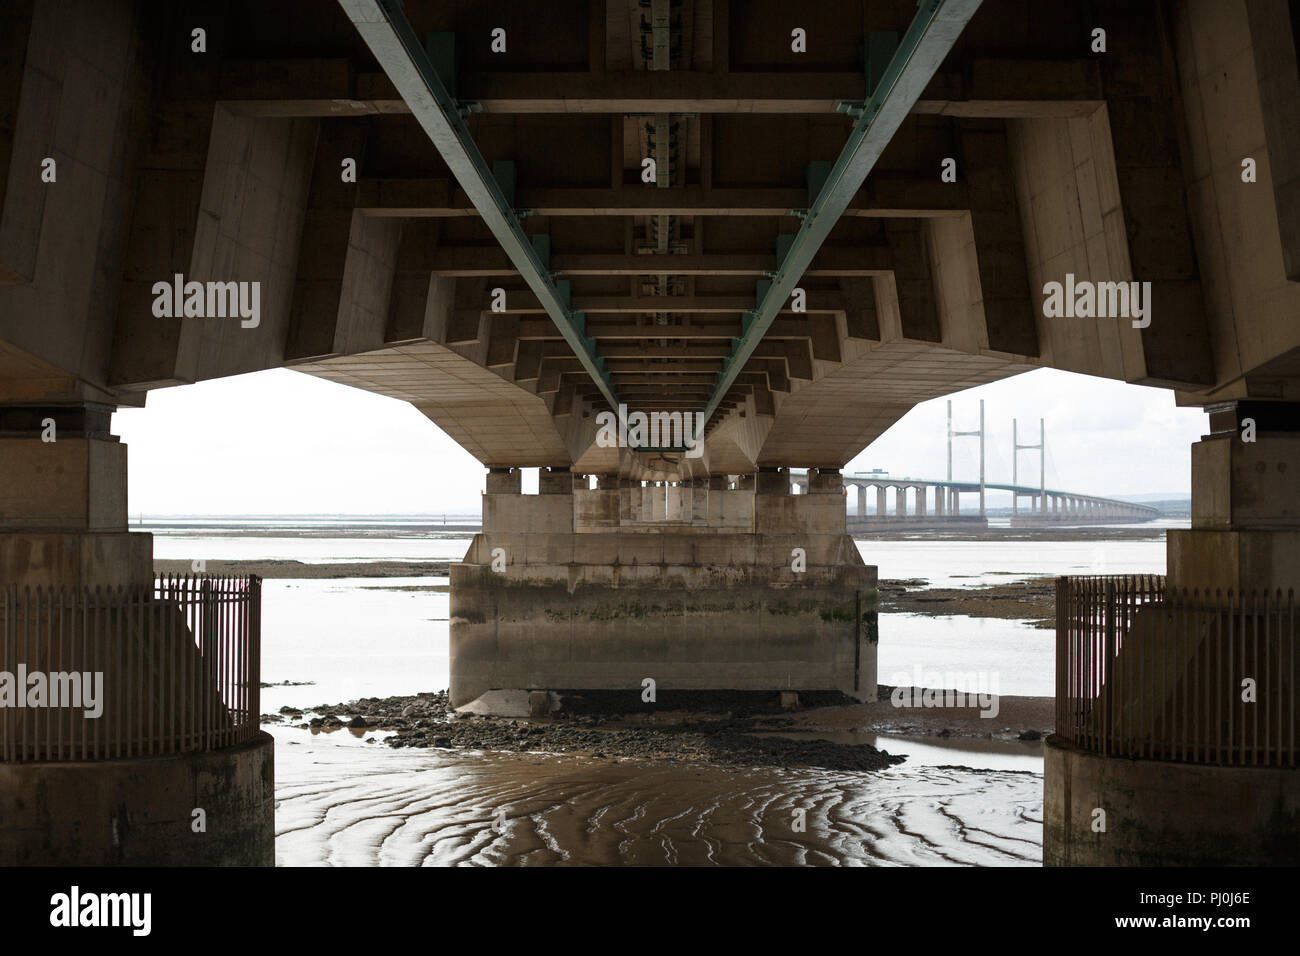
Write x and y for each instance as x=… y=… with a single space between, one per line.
x=1245 y=508
x=699 y=500
x=674 y=494
x=921 y=491
x=882 y=501
x=598 y=507
x=63 y=525
x=939 y=493
x=1245 y=536
x=719 y=495
x=624 y=500
x=862 y=501
x=782 y=602
x=900 y=501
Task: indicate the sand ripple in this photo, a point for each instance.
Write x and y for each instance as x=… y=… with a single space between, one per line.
x=352 y=807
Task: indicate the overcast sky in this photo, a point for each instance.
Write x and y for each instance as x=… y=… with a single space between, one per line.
x=281 y=442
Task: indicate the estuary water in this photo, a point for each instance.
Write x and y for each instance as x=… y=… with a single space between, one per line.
x=344 y=801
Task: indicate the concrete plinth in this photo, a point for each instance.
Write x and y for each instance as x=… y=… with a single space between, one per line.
x=91 y=559
x=140 y=812
x=1161 y=813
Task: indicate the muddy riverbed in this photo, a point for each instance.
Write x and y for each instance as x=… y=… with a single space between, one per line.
x=1033 y=601
x=725 y=729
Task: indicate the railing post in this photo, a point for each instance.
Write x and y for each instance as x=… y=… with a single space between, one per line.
x=1108 y=666
x=254 y=675
x=1062 y=654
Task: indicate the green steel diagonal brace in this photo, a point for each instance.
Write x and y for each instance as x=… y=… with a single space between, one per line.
x=928 y=40
x=389 y=35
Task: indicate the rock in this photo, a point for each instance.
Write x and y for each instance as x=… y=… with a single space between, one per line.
x=1030 y=735
x=358 y=722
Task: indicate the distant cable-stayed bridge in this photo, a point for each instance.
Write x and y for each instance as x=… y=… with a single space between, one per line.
x=926 y=501
x=939 y=500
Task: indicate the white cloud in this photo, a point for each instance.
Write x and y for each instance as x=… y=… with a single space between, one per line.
x=281 y=442
x=1103 y=437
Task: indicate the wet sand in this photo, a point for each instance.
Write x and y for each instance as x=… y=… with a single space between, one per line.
x=351 y=806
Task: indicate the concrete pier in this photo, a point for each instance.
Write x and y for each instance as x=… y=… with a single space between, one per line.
x=1244 y=540
x=765 y=592
x=63 y=527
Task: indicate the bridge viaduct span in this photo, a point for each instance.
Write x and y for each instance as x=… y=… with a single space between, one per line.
x=937 y=501
x=791 y=223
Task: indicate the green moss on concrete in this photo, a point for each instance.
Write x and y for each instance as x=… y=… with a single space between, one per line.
x=834 y=614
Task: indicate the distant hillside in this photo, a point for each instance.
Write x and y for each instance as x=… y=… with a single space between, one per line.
x=1150 y=498
x=1169 y=505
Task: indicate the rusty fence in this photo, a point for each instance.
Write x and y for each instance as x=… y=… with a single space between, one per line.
x=97 y=674
x=1143 y=670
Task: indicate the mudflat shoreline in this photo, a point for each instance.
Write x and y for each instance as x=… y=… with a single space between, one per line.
x=1032 y=600
x=745 y=734
x=300 y=570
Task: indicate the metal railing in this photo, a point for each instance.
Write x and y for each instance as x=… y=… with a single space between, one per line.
x=1146 y=671
x=97 y=674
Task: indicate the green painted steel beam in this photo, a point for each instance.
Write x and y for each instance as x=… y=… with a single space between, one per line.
x=928 y=40
x=404 y=59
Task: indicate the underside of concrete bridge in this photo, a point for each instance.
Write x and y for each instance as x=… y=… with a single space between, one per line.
x=766 y=229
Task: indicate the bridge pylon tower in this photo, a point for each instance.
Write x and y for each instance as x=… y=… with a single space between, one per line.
x=1016 y=449
x=980 y=432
